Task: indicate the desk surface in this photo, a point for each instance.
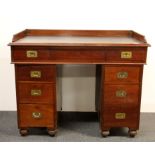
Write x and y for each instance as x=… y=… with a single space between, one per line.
x=78 y=38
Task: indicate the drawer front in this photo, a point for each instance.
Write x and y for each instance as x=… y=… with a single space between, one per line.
x=36 y=73
x=31 y=115
x=121 y=95
x=120 y=117
x=33 y=55
x=36 y=93
x=122 y=74
x=137 y=55
x=30 y=55
x=79 y=56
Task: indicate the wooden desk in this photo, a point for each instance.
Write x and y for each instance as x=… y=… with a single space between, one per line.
x=119 y=57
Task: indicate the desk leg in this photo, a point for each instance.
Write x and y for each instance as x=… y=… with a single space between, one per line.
x=24 y=131
x=51 y=132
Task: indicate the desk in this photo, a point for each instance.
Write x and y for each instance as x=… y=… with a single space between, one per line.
x=119 y=57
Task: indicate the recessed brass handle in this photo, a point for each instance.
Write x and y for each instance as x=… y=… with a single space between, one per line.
x=35 y=74
x=122 y=75
x=120 y=115
x=121 y=93
x=31 y=54
x=126 y=54
x=36 y=92
x=36 y=115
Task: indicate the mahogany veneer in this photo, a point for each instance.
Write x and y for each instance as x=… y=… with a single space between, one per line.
x=118 y=54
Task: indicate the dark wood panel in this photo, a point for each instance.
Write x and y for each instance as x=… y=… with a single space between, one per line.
x=36 y=73
x=61 y=56
x=37 y=93
x=32 y=115
x=111 y=95
x=21 y=55
x=138 y=55
x=131 y=119
x=116 y=74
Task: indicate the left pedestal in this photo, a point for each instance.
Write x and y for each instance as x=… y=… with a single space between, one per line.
x=36 y=97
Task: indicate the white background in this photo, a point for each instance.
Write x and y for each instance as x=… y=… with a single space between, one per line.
x=17 y=15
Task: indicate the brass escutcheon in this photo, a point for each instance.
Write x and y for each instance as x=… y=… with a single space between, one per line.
x=121 y=93
x=36 y=92
x=126 y=54
x=36 y=115
x=35 y=74
x=120 y=115
x=32 y=54
x=122 y=75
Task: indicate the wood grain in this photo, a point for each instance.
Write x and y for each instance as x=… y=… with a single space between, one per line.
x=133 y=74
x=26 y=120
x=101 y=47
x=47 y=72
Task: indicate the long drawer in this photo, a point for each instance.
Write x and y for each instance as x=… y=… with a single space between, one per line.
x=33 y=55
x=45 y=55
x=33 y=92
x=32 y=115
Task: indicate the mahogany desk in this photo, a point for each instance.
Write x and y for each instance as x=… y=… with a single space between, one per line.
x=119 y=57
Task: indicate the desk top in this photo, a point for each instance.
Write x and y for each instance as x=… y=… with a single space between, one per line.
x=78 y=38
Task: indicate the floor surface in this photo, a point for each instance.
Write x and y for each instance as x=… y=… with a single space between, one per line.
x=77 y=128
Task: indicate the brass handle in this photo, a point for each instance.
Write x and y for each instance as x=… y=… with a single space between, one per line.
x=122 y=75
x=36 y=92
x=35 y=74
x=32 y=54
x=121 y=93
x=36 y=115
x=120 y=115
x=126 y=54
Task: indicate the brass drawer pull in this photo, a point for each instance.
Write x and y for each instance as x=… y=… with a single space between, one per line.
x=36 y=92
x=121 y=93
x=35 y=74
x=36 y=115
x=31 y=54
x=120 y=115
x=126 y=54
x=122 y=75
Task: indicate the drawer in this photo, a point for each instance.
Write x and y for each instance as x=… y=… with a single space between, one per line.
x=122 y=74
x=36 y=73
x=120 y=117
x=128 y=55
x=30 y=55
x=79 y=56
x=32 y=115
x=54 y=56
x=29 y=92
x=121 y=95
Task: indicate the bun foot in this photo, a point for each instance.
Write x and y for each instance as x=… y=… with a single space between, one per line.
x=132 y=133
x=105 y=133
x=51 y=132
x=23 y=132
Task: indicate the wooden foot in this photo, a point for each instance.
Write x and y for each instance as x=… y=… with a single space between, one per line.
x=105 y=133
x=23 y=132
x=51 y=132
x=132 y=133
